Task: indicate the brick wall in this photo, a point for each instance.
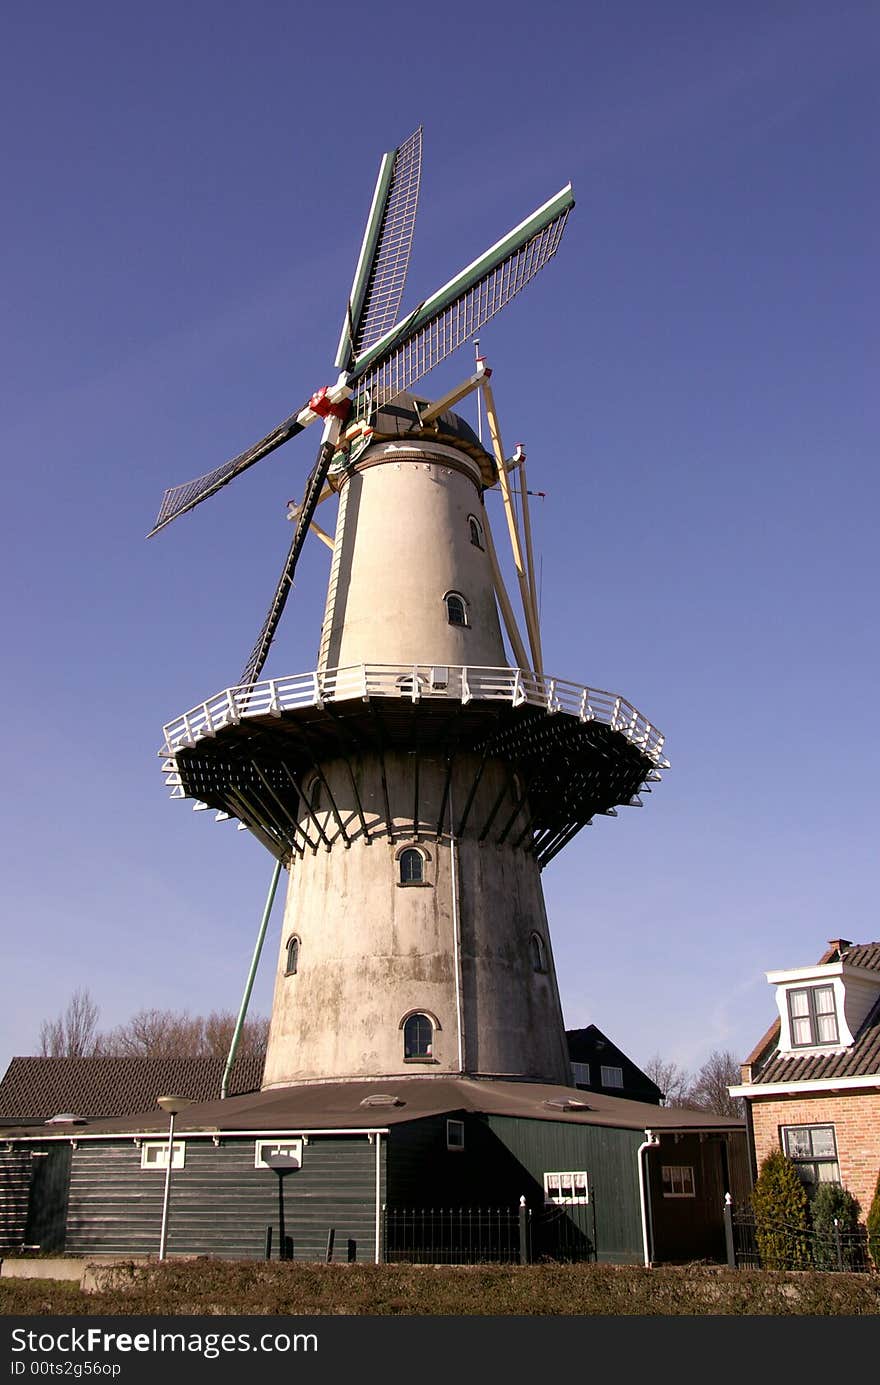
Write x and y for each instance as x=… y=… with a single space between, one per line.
x=856 y=1120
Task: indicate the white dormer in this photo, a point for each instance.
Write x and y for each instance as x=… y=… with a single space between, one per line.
x=821 y=1008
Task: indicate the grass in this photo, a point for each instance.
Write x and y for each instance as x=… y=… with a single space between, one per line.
x=206 y=1286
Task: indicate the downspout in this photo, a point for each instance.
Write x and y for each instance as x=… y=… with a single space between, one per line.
x=650 y=1142
x=456 y=938
x=249 y=984
x=378 y=1252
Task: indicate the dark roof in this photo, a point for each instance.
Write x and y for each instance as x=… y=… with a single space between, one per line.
x=861 y=1059
x=591 y=1046
x=35 y=1089
x=340 y=1106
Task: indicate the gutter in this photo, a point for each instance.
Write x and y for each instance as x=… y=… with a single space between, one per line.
x=650 y=1142
x=814 y=1084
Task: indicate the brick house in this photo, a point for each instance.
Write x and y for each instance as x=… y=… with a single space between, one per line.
x=812 y=1083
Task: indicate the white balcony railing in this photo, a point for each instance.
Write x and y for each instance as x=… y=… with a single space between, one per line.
x=415 y=683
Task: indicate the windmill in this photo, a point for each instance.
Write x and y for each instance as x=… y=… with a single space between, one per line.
x=415 y=784
x=377 y=357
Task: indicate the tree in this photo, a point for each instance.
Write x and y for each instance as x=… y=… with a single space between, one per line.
x=781 y=1209
x=149 y=1034
x=165 y=1034
x=835 y=1216
x=73 y=1034
x=709 y=1088
x=673 y=1081
x=872 y=1223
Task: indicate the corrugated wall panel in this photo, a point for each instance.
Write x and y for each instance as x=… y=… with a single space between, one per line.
x=15 y=1182
x=609 y=1158
x=220 y=1204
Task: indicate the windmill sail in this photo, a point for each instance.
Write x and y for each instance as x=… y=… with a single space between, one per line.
x=455 y=312
x=380 y=274
x=314 y=486
x=178 y=499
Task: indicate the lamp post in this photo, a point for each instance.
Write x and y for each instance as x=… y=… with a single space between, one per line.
x=172 y=1104
x=282 y=1164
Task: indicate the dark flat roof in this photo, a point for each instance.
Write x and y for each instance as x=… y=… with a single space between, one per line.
x=338 y=1106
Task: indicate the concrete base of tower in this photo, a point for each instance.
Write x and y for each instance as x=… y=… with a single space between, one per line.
x=413 y=955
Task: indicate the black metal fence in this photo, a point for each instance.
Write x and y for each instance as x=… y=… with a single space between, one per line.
x=791 y=1247
x=480 y=1235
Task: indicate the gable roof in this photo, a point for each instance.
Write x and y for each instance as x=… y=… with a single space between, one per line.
x=591 y=1046
x=36 y=1089
x=861 y=1059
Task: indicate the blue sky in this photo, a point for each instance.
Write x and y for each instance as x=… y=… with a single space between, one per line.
x=694 y=379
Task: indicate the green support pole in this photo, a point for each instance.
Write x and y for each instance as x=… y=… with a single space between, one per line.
x=249 y=985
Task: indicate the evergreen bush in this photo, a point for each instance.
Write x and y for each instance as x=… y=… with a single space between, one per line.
x=873 y=1225
x=835 y=1247
x=782 y=1220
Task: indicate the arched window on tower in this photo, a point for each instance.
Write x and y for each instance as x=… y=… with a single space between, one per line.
x=456 y=612
x=292 y=961
x=476 y=531
x=411 y=864
x=537 y=953
x=418 y=1037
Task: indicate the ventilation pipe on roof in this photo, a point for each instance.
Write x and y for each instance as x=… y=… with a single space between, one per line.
x=650 y=1142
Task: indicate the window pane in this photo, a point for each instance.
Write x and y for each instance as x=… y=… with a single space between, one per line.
x=799 y=1002
x=798 y=1142
x=827 y=1027
x=612 y=1077
x=828 y=1172
x=824 y=1000
x=823 y=1142
x=801 y=1031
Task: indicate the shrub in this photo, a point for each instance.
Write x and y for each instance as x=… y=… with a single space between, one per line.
x=835 y=1246
x=873 y=1225
x=780 y=1203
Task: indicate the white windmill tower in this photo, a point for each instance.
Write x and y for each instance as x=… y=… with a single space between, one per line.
x=415 y=783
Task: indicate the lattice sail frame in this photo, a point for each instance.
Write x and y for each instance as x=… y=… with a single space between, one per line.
x=379 y=283
x=457 y=311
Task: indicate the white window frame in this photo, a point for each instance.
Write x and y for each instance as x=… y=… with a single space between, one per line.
x=455 y=1128
x=580 y=1073
x=154 y=1155
x=680 y=1179
x=611 y=1076
x=812 y=1161
x=566 y=1189
x=284 y=1146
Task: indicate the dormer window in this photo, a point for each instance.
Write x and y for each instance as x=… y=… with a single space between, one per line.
x=813 y=1016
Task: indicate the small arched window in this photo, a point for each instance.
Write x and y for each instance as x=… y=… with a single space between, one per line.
x=418 y=1037
x=411 y=864
x=292 y=961
x=455 y=609
x=313 y=793
x=536 y=951
x=476 y=531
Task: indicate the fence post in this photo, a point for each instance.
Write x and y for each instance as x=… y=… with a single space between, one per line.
x=331 y=1236
x=523 y=1232
x=728 y=1231
x=838 y=1249
x=269 y=1242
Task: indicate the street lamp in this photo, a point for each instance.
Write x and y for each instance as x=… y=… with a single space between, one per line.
x=172 y=1104
x=282 y=1163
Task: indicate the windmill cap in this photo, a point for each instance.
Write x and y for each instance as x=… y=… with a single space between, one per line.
x=400 y=418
